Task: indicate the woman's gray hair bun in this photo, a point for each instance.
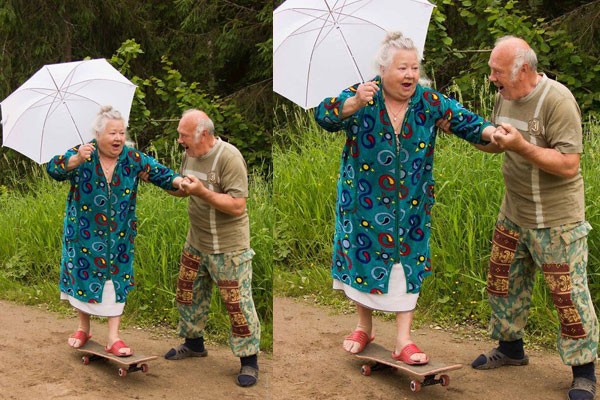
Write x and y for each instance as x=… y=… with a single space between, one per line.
x=393 y=41
x=106 y=113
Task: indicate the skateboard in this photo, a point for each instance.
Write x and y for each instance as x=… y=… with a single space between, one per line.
x=380 y=358
x=95 y=351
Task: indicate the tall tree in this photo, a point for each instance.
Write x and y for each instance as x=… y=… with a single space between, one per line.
x=224 y=46
x=230 y=46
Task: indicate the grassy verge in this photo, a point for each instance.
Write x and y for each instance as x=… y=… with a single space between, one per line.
x=469 y=188
x=30 y=250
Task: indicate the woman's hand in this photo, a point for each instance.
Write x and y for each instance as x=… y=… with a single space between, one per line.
x=84 y=153
x=364 y=95
x=366 y=92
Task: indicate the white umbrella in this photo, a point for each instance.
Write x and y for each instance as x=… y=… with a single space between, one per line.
x=321 y=47
x=54 y=109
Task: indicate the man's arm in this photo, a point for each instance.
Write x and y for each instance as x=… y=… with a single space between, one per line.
x=549 y=160
x=223 y=202
x=488 y=148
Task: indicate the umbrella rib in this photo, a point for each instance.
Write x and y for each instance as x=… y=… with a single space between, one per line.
x=67 y=83
x=44 y=126
x=365 y=3
x=42 y=89
x=69 y=77
x=31 y=106
x=311 y=56
x=97 y=79
x=348 y=15
x=299 y=10
x=64 y=91
x=45 y=119
x=346 y=43
x=52 y=96
x=341 y=14
x=335 y=25
x=422 y=2
x=348 y=48
x=74 y=124
x=295 y=32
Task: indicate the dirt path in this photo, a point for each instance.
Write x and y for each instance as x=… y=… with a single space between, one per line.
x=52 y=370
x=309 y=363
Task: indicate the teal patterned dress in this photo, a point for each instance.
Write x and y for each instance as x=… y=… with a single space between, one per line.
x=385 y=189
x=100 y=224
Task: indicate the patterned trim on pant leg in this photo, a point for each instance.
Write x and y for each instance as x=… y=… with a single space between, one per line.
x=188 y=270
x=230 y=293
x=504 y=246
x=558 y=279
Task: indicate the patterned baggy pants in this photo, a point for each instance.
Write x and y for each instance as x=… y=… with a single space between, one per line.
x=232 y=273
x=561 y=253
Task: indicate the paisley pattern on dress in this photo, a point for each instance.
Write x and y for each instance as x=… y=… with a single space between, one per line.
x=100 y=224
x=385 y=189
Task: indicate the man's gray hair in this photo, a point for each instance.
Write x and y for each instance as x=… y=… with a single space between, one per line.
x=522 y=56
x=105 y=114
x=202 y=122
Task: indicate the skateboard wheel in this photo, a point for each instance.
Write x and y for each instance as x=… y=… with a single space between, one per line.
x=415 y=386
x=122 y=372
x=365 y=370
x=85 y=360
x=445 y=380
x=145 y=368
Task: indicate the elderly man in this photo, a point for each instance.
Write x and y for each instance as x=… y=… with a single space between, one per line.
x=217 y=248
x=542 y=221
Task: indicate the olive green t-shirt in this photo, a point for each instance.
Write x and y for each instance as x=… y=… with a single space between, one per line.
x=222 y=170
x=548 y=117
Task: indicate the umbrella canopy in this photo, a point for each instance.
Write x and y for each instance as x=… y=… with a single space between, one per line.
x=54 y=110
x=321 y=47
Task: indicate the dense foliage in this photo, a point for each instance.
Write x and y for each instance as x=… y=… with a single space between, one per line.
x=462 y=34
x=182 y=53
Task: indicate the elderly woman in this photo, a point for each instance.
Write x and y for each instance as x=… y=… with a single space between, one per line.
x=385 y=189
x=100 y=224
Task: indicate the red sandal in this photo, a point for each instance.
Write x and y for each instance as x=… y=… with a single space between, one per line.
x=406 y=352
x=82 y=336
x=116 y=347
x=360 y=337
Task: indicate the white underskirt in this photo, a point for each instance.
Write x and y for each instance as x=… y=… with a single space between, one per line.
x=107 y=308
x=395 y=300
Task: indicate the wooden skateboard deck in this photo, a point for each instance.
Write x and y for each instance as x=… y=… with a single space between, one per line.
x=95 y=351
x=423 y=375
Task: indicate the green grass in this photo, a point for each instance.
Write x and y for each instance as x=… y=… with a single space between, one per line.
x=469 y=189
x=30 y=249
